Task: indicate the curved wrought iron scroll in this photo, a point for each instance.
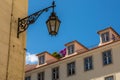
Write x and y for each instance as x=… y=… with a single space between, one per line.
x=24 y=23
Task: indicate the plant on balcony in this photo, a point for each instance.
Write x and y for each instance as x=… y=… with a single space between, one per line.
x=63 y=52
x=56 y=55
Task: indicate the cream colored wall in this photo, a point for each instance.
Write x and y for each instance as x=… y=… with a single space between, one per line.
x=98 y=73
x=12 y=54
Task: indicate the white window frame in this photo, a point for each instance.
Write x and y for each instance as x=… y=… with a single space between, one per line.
x=71 y=68
x=107 y=57
x=55 y=73
x=88 y=63
x=28 y=78
x=71 y=49
x=42 y=59
x=41 y=76
x=109 y=78
x=105 y=37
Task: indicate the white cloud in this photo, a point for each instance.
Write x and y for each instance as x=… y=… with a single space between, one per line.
x=31 y=58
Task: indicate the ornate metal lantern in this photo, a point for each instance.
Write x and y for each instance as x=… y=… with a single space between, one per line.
x=53 y=24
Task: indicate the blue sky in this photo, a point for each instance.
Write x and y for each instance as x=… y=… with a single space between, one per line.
x=80 y=20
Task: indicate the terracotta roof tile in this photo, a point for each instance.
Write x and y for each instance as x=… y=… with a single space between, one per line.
x=30 y=67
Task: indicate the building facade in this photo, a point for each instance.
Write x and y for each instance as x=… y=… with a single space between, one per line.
x=81 y=63
x=12 y=53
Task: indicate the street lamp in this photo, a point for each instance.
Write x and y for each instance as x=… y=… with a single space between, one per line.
x=53 y=22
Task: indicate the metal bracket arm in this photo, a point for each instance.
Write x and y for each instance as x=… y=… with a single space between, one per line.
x=24 y=23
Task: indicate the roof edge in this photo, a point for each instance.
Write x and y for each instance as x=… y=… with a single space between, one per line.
x=76 y=42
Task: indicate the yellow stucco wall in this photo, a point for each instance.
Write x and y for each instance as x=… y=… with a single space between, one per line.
x=99 y=71
x=12 y=54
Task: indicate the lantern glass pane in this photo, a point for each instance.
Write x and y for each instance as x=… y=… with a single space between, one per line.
x=57 y=25
x=52 y=23
x=48 y=26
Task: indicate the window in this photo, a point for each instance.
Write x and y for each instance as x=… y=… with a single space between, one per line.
x=105 y=37
x=71 y=68
x=107 y=57
x=28 y=78
x=88 y=63
x=41 y=59
x=55 y=73
x=70 y=49
x=109 y=78
x=41 y=76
